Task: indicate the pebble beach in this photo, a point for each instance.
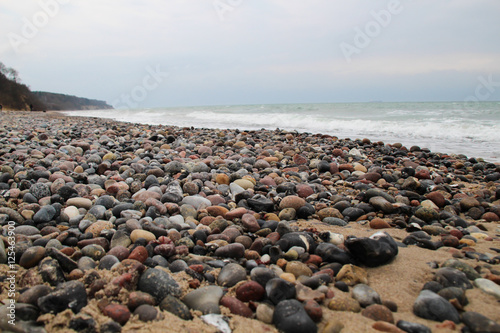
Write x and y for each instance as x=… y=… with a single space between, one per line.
x=118 y=227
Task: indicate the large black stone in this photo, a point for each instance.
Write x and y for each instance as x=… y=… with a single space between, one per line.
x=376 y=250
x=290 y=317
x=69 y=295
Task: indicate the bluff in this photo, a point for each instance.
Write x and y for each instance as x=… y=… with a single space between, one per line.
x=59 y=102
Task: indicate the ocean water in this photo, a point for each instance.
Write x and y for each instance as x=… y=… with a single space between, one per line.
x=472 y=129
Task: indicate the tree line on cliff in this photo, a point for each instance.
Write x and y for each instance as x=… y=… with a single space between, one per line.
x=14 y=95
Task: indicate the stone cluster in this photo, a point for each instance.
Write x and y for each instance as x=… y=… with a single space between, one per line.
x=147 y=220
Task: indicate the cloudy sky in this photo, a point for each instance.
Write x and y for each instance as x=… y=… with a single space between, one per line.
x=137 y=53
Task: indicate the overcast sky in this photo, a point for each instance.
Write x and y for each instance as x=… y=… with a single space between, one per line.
x=153 y=53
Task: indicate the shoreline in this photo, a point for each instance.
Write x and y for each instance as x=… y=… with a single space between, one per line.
x=278 y=157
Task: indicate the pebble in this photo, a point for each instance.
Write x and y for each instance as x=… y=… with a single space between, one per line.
x=231 y=274
x=412 y=327
x=127 y=198
x=290 y=316
x=175 y=306
x=477 y=323
x=68 y=295
x=158 y=283
x=488 y=287
x=119 y=313
x=205 y=299
x=430 y=305
x=378 y=312
x=376 y=250
x=146 y=312
x=365 y=295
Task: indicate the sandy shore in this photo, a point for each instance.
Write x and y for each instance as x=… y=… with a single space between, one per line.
x=41 y=141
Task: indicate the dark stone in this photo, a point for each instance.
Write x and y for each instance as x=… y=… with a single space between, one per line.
x=262 y=275
x=451 y=277
x=83 y=324
x=175 y=306
x=332 y=253
x=300 y=239
x=158 y=283
x=290 y=317
x=378 y=249
x=412 y=327
x=478 y=323
x=69 y=295
x=278 y=290
x=51 y=271
x=430 y=305
x=260 y=203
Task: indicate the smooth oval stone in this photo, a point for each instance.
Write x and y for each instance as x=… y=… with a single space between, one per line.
x=488 y=287
x=478 y=323
x=176 y=306
x=380 y=203
x=430 y=305
x=231 y=274
x=79 y=202
x=94 y=251
x=107 y=262
x=139 y=233
x=205 y=299
x=412 y=327
x=234 y=250
x=365 y=295
x=262 y=275
x=451 y=277
x=86 y=263
x=26 y=230
x=236 y=306
x=158 y=283
x=32 y=256
x=250 y=291
x=45 y=214
x=469 y=271
x=146 y=312
x=290 y=316
x=32 y=295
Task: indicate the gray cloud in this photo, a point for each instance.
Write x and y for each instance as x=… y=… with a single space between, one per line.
x=259 y=51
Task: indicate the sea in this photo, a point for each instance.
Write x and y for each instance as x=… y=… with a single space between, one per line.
x=470 y=129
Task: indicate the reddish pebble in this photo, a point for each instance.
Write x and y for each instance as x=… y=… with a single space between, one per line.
x=68 y=251
x=386 y=327
x=194 y=284
x=437 y=198
x=378 y=312
x=447 y=324
x=456 y=233
x=120 y=252
x=138 y=298
x=314 y=310
x=314 y=259
x=127 y=280
x=250 y=291
x=415 y=203
x=236 y=306
x=377 y=223
x=117 y=312
x=451 y=241
x=490 y=217
x=139 y=253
